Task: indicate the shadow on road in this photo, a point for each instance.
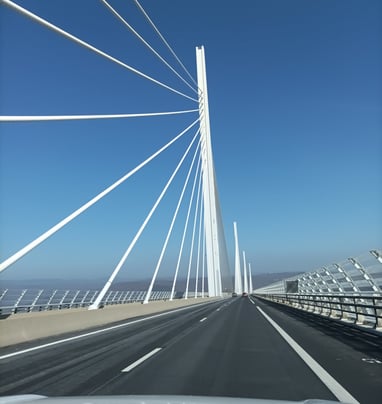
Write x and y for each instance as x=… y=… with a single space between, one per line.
x=364 y=340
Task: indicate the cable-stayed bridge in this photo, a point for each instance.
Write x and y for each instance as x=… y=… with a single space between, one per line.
x=203 y=218
x=316 y=336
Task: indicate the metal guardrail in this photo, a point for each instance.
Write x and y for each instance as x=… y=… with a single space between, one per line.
x=349 y=291
x=361 y=310
x=361 y=275
x=28 y=300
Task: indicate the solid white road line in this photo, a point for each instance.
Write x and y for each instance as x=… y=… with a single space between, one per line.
x=139 y=361
x=332 y=384
x=252 y=301
x=203 y=319
x=88 y=334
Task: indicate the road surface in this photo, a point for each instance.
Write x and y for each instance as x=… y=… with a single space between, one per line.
x=229 y=347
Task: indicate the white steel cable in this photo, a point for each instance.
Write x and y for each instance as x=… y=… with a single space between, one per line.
x=107 y=285
x=172 y=224
x=164 y=40
x=147 y=44
x=39 y=118
x=79 y=41
x=193 y=236
x=184 y=231
x=9 y=261
x=199 y=237
x=203 y=260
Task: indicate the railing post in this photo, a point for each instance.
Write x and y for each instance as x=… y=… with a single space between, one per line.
x=74 y=299
x=19 y=300
x=378 y=312
x=39 y=293
x=94 y=296
x=3 y=294
x=63 y=298
x=83 y=300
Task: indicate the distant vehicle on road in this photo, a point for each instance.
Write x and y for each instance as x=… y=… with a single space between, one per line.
x=244 y=294
x=234 y=294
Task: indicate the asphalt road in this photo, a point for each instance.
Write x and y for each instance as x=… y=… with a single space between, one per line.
x=224 y=348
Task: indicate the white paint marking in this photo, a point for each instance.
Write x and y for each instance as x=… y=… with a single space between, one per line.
x=203 y=319
x=88 y=334
x=332 y=384
x=372 y=360
x=252 y=301
x=139 y=361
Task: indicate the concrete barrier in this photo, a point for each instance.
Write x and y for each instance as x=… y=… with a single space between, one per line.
x=25 y=327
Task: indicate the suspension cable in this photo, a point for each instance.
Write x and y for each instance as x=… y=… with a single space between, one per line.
x=147 y=44
x=38 y=118
x=5 y=264
x=164 y=40
x=98 y=300
x=79 y=41
x=185 y=230
x=199 y=237
x=203 y=259
x=172 y=224
x=197 y=201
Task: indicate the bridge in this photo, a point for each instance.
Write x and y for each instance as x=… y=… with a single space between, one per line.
x=316 y=335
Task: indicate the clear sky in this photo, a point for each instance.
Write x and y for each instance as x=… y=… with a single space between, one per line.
x=295 y=91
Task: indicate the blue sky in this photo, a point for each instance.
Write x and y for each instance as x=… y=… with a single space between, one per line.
x=295 y=93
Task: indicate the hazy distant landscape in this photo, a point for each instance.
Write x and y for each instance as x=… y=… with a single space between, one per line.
x=259 y=280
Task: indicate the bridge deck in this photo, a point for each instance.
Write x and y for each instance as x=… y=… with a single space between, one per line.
x=223 y=348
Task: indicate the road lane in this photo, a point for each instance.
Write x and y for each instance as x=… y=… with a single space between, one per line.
x=340 y=392
x=77 y=366
x=43 y=343
x=235 y=353
x=224 y=348
x=354 y=361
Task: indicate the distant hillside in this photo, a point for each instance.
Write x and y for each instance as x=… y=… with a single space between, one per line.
x=259 y=280
x=52 y=283
x=93 y=284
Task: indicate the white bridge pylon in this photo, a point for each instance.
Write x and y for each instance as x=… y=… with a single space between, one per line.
x=243 y=280
x=238 y=281
x=216 y=251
